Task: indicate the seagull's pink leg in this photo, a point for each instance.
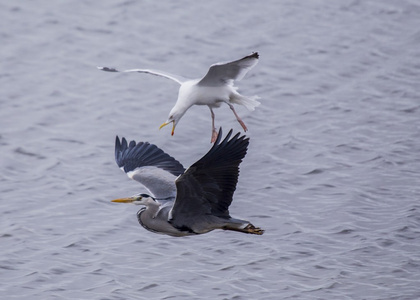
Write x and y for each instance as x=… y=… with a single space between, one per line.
x=213 y=129
x=237 y=117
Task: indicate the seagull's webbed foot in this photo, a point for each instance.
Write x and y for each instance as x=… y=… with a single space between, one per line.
x=242 y=124
x=214 y=135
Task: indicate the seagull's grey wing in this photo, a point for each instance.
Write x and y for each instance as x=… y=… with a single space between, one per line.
x=173 y=77
x=206 y=188
x=149 y=165
x=223 y=73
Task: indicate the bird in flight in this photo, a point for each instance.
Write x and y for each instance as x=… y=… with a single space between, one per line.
x=185 y=202
x=215 y=88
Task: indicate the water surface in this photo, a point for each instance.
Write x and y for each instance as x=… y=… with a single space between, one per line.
x=332 y=171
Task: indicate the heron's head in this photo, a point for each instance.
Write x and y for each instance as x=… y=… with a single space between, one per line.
x=140 y=199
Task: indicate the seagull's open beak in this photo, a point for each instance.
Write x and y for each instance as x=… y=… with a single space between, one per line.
x=124 y=200
x=166 y=123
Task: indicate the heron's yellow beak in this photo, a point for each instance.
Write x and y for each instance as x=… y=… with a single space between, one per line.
x=124 y=200
x=166 y=123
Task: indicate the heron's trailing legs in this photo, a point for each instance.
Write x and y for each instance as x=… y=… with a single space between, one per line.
x=254 y=230
x=213 y=130
x=247 y=229
x=237 y=117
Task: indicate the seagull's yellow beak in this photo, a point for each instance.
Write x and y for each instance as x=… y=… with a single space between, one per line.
x=166 y=123
x=124 y=200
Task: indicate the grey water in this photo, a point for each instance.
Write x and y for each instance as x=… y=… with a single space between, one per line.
x=332 y=172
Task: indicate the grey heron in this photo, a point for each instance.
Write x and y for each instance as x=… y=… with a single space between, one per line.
x=185 y=202
x=215 y=88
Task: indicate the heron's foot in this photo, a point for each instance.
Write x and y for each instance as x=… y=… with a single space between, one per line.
x=253 y=230
x=214 y=135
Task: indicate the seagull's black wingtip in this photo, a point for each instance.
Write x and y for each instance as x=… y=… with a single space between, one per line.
x=107 y=69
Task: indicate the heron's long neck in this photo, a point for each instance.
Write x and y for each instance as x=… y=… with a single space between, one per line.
x=149 y=219
x=152 y=208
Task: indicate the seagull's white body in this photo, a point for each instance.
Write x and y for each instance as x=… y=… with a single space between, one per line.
x=215 y=88
x=192 y=94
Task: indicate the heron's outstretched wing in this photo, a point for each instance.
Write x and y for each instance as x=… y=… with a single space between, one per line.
x=223 y=73
x=173 y=77
x=149 y=165
x=206 y=188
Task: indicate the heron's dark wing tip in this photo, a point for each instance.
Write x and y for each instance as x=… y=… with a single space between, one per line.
x=219 y=137
x=134 y=155
x=117 y=149
x=236 y=141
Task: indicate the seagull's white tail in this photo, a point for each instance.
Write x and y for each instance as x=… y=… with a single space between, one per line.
x=249 y=102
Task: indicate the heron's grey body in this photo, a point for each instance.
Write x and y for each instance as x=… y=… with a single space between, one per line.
x=185 y=202
x=215 y=88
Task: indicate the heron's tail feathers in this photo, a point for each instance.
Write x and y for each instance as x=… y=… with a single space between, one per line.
x=249 y=102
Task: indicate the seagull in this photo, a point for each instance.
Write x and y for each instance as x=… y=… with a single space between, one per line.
x=215 y=88
x=185 y=202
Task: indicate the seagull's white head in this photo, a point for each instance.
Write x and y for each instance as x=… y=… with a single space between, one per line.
x=174 y=116
x=186 y=96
